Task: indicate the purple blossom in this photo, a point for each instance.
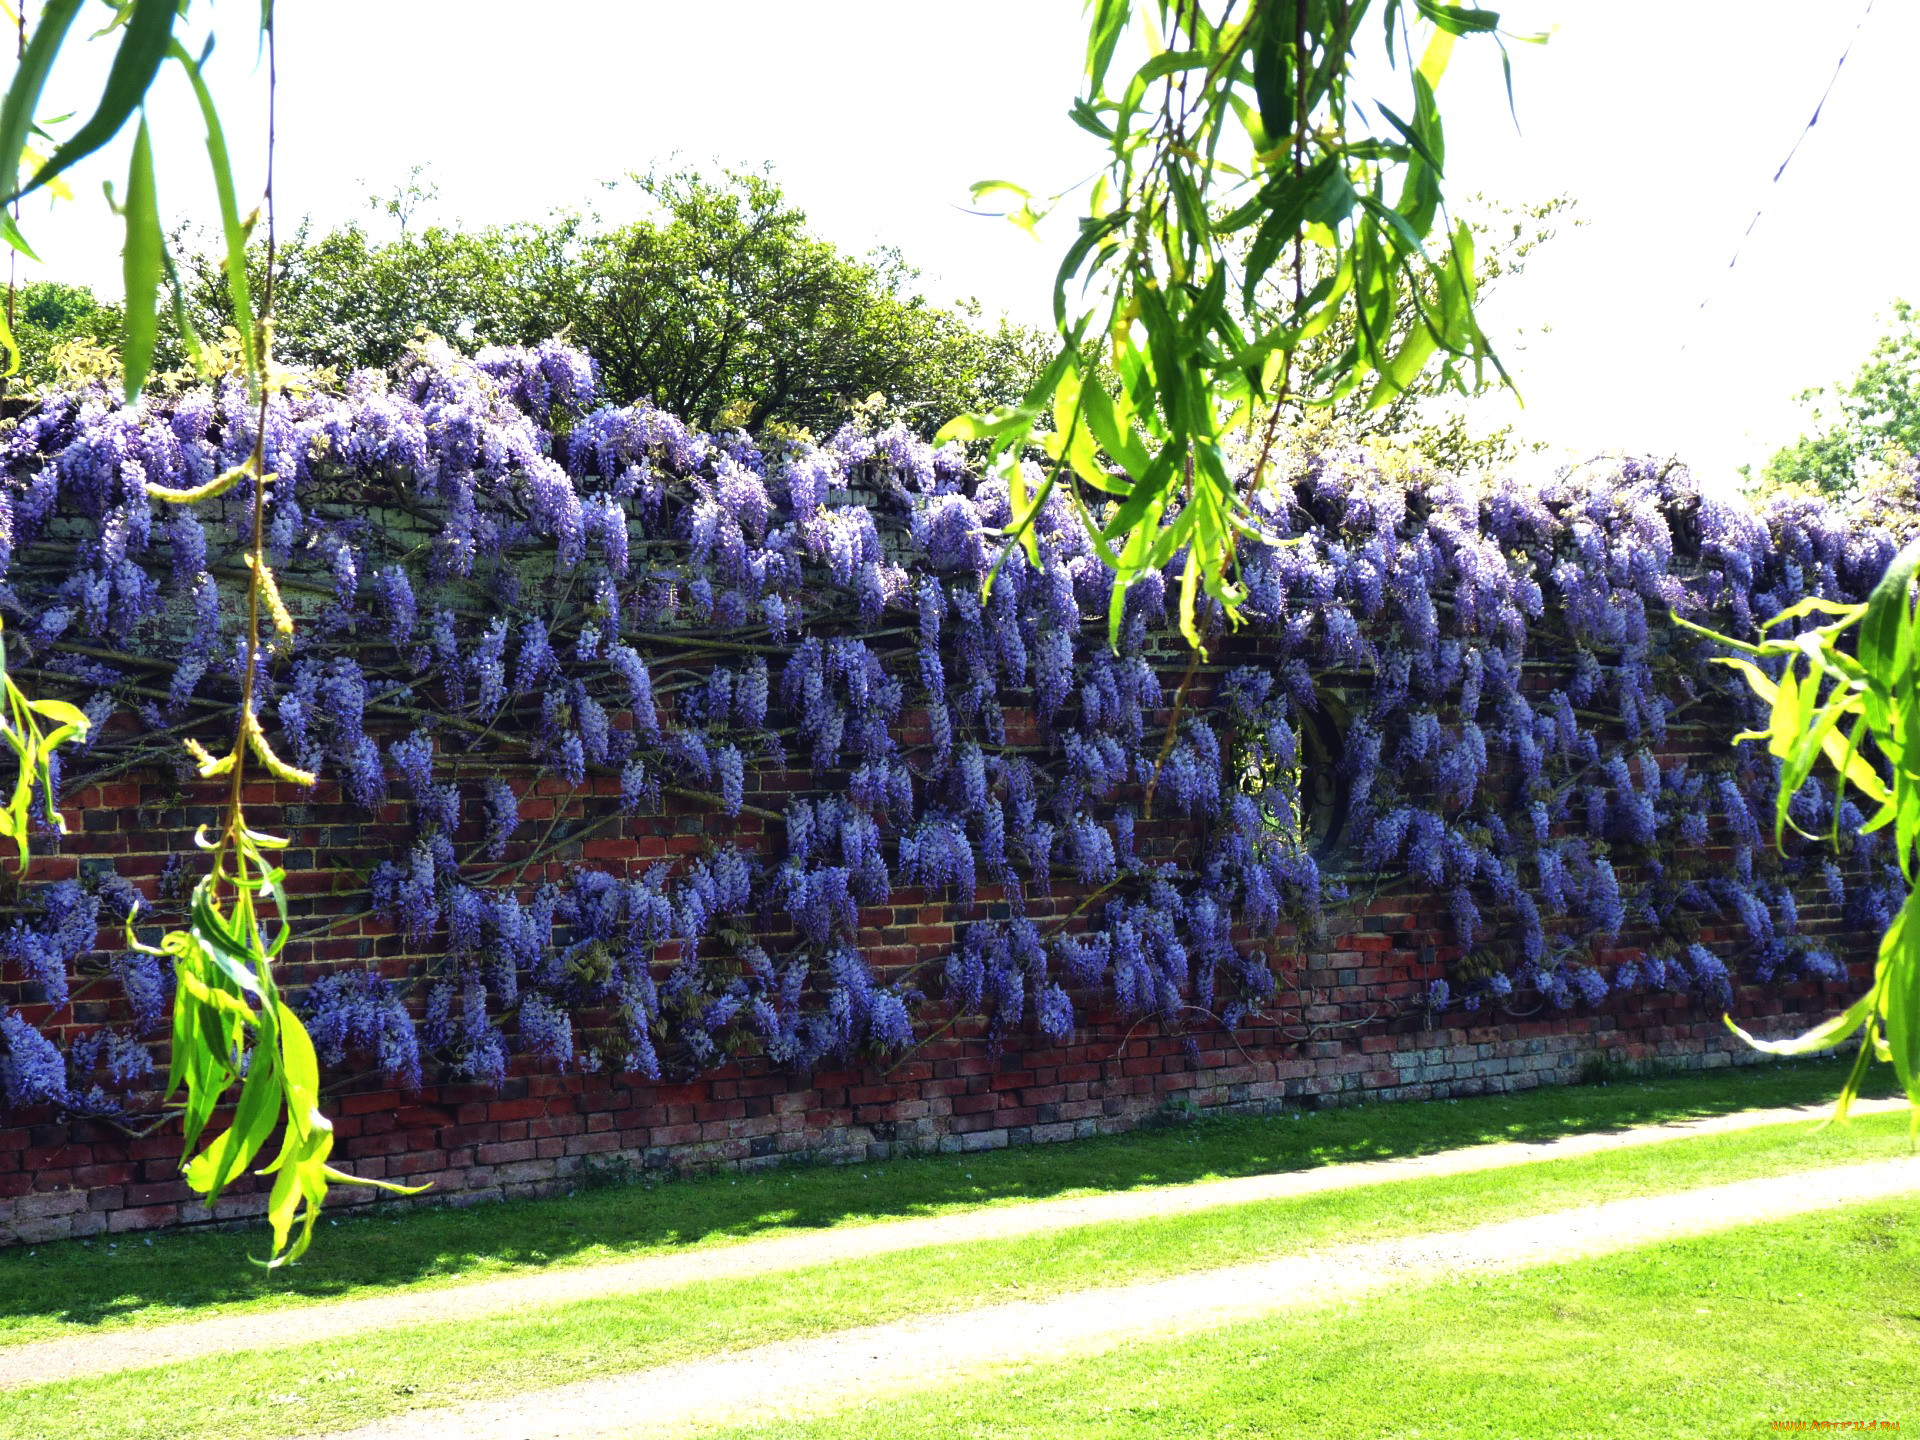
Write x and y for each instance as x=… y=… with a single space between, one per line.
x=124 y=1059
x=358 y=1010
x=32 y=1070
x=639 y=787
x=730 y=770
x=503 y=817
x=537 y=660
x=1053 y=1012
x=632 y=670
x=1090 y=851
x=545 y=1032
x=147 y=985
x=396 y=598
x=1466 y=769
x=489 y=668
x=750 y=696
x=1589 y=984
x=937 y=855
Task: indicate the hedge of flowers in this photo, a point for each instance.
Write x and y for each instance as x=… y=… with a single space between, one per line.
x=500 y=569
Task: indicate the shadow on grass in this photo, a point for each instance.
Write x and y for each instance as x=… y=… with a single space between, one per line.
x=163 y=1276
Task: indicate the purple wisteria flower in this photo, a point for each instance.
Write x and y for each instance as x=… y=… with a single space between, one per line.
x=1460 y=684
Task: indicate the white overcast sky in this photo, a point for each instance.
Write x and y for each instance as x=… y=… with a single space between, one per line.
x=1664 y=120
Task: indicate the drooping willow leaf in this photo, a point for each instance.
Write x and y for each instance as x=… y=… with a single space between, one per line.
x=30 y=82
x=1829 y=705
x=33 y=744
x=143 y=266
x=230 y=1026
x=233 y=229
x=146 y=40
x=1234 y=145
x=143 y=46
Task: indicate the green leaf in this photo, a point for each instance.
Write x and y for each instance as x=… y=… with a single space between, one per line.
x=1433 y=62
x=1887 y=621
x=29 y=80
x=1109 y=22
x=984 y=427
x=1021 y=513
x=1459 y=19
x=1405 y=367
x=1088 y=118
x=1411 y=241
x=1286 y=196
x=1116 y=436
x=1275 y=59
x=1169 y=62
x=239 y=293
x=980 y=189
x=1333 y=203
x=1900 y=984
x=1816 y=605
x=10 y=232
x=302 y=1066
x=1132 y=560
x=1150 y=487
x=1823 y=1036
x=8 y=344
x=142 y=266
x=149 y=32
x=1171 y=537
x=1414 y=136
x=1092 y=232
x=230 y=1152
x=225 y=942
x=283 y=1207
x=62 y=713
x=182 y=321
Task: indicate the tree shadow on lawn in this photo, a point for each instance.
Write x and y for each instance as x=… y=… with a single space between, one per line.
x=617 y=1215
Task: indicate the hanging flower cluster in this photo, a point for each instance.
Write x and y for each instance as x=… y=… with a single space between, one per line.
x=501 y=574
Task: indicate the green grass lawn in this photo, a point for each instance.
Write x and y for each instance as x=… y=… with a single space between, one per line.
x=1812 y=1319
x=359 y=1379
x=52 y=1288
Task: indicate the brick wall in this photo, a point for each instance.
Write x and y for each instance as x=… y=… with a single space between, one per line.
x=1343 y=1027
x=537 y=1134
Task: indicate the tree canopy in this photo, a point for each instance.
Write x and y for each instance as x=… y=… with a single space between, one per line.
x=720 y=304
x=1866 y=430
x=60 y=329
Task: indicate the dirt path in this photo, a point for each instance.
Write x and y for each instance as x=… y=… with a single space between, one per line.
x=298 y=1323
x=851 y=1365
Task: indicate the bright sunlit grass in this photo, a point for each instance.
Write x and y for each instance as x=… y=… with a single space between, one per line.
x=51 y=1289
x=1811 y=1319
x=384 y=1373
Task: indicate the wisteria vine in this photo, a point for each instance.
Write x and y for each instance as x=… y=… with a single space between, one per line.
x=501 y=578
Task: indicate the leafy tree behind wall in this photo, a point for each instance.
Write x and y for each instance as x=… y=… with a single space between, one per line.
x=60 y=329
x=798 y=333
x=1868 y=429
x=721 y=305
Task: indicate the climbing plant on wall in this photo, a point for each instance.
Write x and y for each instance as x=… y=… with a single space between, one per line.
x=472 y=569
x=496 y=577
